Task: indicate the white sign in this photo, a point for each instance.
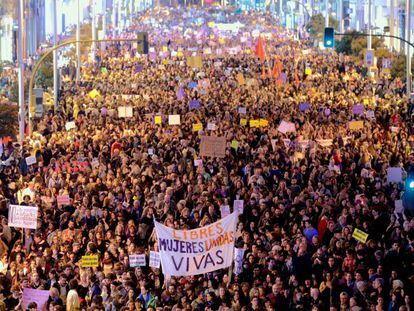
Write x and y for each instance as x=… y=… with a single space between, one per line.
x=197 y=251
x=174 y=119
x=394 y=174
x=224 y=210
x=399 y=207
x=154 y=260
x=238 y=260
x=211 y=127
x=238 y=206
x=242 y=110
x=70 y=125
x=125 y=112
x=137 y=260
x=198 y=162
x=286 y=127
x=31 y=160
x=21 y=216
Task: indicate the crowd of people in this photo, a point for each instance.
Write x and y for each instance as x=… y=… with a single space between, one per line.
x=305 y=190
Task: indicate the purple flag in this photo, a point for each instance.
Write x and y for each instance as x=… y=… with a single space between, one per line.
x=192 y=85
x=194 y=103
x=303 y=107
x=180 y=94
x=282 y=77
x=138 y=68
x=358 y=109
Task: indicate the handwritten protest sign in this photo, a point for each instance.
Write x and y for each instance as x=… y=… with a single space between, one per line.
x=224 y=210
x=240 y=79
x=63 y=200
x=303 y=107
x=238 y=260
x=197 y=251
x=21 y=216
x=198 y=162
x=137 y=260
x=399 y=207
x=211 y=126
x=358 y=109
x=195 y=61
x=194 y=104
x=154 y=260
x=263 y=123
x=360 y=235
x=89 y=261
x=70 y=125
x=174 y=119
x=234 y=144
x=31 y=160
x=213 y=146
x=40 y=297
x=125 y=112
x=286 y=127
x=254 y=123
x=356 y=125
x=242 y=110
x=93 y=94
x=324 y=142
x=158 y=120
x=238 y=206
x=197 y=127
x=394 y=174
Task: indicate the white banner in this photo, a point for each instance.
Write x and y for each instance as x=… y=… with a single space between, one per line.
x=238 y=260
x=198 y=251
x=22 y=216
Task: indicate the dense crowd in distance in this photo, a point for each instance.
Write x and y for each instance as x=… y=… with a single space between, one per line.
x=305 y=190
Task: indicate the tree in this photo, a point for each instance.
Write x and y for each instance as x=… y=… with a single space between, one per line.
x=316 y=25
x=359 y=45
x=44 y=76
x=8 y=120
x=344 y=45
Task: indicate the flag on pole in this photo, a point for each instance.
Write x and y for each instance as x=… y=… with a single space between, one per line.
x=277 y=69
x=180 y=94
x=260 y=52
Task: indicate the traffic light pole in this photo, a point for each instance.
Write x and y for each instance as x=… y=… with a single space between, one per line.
x=409 y=44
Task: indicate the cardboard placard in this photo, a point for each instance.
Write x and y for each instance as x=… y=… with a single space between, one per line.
x=213 y=146
x=174 y=119
x=90 y=261
x=356 y=125
x=137 y=260
x=360 y=235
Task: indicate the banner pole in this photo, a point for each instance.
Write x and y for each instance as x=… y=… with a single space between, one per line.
x=230 y=274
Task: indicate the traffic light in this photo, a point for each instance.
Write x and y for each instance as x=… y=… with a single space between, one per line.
x=142 y=42
x=328 y=38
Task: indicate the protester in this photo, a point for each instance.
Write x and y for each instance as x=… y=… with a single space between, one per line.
x=305 y=189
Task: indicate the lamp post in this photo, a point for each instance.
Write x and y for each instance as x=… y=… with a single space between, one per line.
x=22 y=112
x=407 y=49
x=78 y=61
x=55 y=57
x=369 y=41
x=93 y=31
